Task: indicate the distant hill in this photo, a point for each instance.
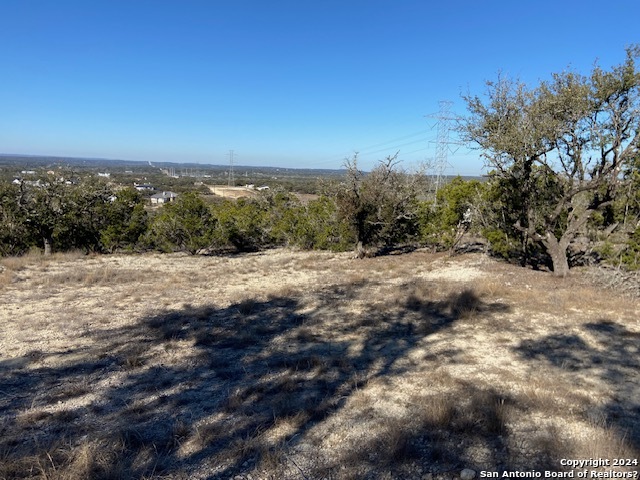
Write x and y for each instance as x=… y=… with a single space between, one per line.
x=103 y=163
x=34 y=161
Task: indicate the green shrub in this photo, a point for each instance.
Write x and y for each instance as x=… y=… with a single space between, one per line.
x=14 y=230
x=502 y=245
x=322 y=228
x=126 y=221
x=241 y=224
x=183 y=225
x=630 y=256
x=438 y=221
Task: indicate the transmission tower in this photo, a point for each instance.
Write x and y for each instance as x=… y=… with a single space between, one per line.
x=441 y=163
x=231 y=179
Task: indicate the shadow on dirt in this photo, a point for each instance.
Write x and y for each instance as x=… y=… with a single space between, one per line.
x=239 y=389
x=608 y=352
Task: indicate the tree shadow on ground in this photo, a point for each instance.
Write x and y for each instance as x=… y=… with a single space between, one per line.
x=606 y=351
x=394 y=250
x=237 y=389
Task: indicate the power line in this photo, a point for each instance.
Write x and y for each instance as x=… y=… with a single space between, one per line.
x=442 y=143
x=231 y=179
x=421 y=140
x=363 y=151
x=375 y=148
x=421 y=132
x=416 y=151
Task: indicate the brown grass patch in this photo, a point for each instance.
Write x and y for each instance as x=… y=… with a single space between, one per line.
x=7 y=277
x=89 y=277
x=343 y=371
x=465 y=304
x=434 y=410
x=608 y=443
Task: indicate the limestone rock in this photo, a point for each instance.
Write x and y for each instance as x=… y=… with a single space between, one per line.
x=467 y=474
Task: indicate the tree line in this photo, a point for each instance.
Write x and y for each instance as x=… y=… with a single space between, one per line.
x=564 y=186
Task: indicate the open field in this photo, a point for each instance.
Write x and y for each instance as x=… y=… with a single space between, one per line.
x=303 y=365
x=232 y=192
x=241 y=192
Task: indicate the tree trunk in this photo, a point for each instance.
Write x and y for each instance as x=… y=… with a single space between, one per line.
x=360 y=251
x=524 y=243
x=558 y=252
x=48 y=245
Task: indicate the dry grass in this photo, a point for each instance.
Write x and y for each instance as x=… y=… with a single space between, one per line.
x=10 y=267
x=609 y=443
x=295 y=364
x=435 y=410
x=6 y=277
x=36 y=258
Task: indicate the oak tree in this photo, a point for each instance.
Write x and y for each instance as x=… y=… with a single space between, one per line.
x=562 y=146
x=380 y=206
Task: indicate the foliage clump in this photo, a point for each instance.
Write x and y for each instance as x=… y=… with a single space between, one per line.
x=559 y=150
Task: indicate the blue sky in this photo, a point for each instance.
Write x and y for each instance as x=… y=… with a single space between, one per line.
x=282 y=83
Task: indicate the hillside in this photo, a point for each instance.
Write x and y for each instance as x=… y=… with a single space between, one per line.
x=292 y=365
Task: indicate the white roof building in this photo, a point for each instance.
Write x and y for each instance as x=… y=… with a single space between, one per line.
x=163 y=197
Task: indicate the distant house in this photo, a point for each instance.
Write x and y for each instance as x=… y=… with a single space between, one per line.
x=31 y=183
x=163 y=197
x=143 y=187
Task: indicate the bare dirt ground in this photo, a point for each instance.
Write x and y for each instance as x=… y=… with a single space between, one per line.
x=240 y=192
x=299 y=365
x=232 y=192
x=305 y=198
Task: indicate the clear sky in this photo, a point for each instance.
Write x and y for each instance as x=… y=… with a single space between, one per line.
x=292 y=83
